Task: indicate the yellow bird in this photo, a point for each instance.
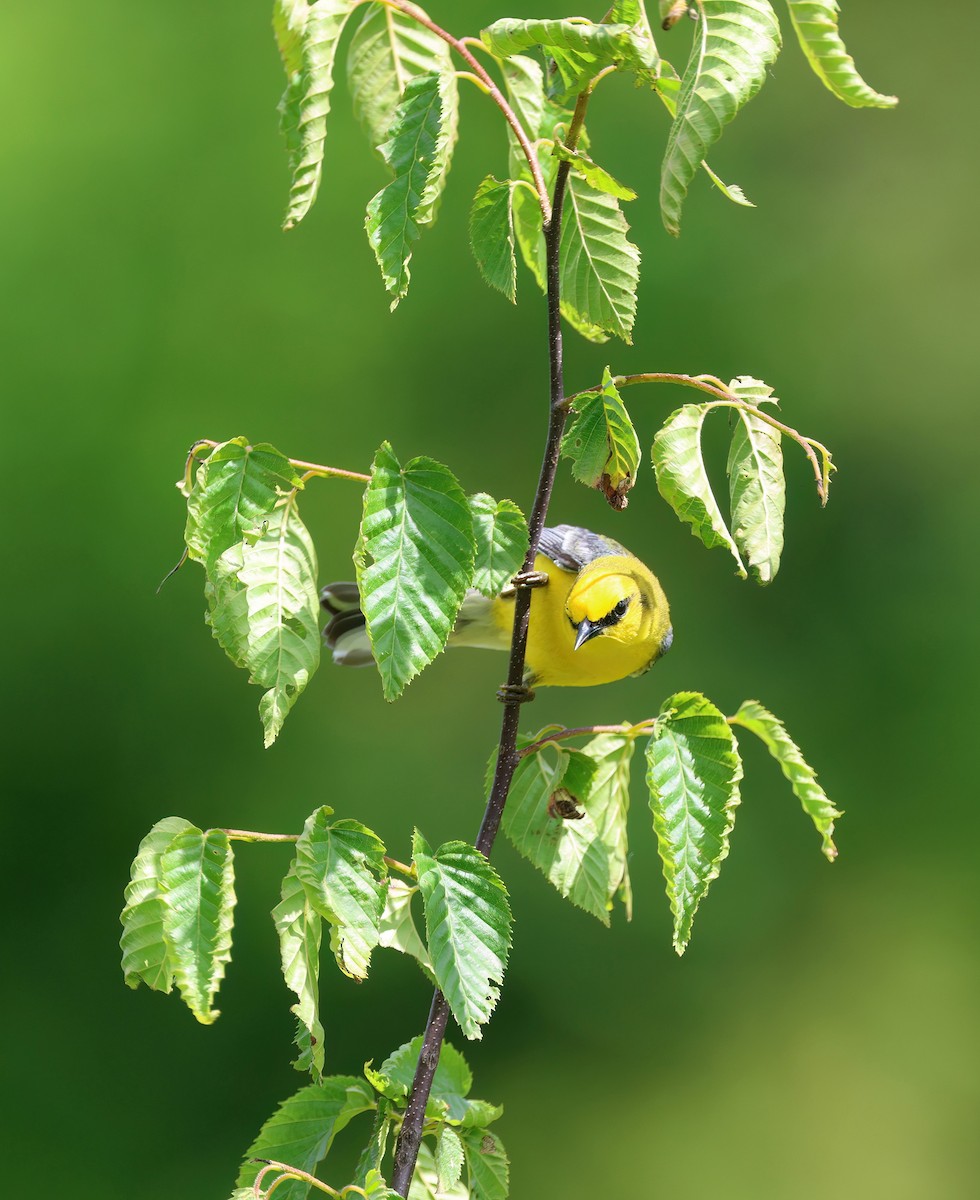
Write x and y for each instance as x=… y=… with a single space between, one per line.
x=601 y=616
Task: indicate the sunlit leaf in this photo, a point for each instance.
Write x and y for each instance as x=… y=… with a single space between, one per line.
x=145 y=955
x=403 y=207
x=815 y=22
x=341 y=865
x=298 y=925
x=468 y=924
x=524 y=81
x=734 y=43
x=302 y=1129
x=235 y=488
x=608 y=803
x=802 y=777
x=450 y=1085
x=600 y=266
x=414 y=563
x=501 y=542
x=756 y=485
x=264 y=610
x=693 y=771
x=565 y=846
x=682 y=478
x=308 y=36
x=425 y=1182
x=602 y=443
x=492 y=235
x=397 y=929
x=449 y=1157
x=594 y=175
x=197 y=881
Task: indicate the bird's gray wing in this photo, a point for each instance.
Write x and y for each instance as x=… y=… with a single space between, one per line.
x=571 y=547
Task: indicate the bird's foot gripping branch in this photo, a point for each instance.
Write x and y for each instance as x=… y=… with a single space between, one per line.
x=437 y=566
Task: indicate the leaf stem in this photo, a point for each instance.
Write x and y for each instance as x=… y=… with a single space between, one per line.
x=462 y=49
x=624 y=730
x=410 y=1137
x=823 y=466
x=402 y=868
x=249 y=835
x=288 y=1173
x=310 y=469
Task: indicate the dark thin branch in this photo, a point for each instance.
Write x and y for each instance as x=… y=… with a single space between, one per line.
x=407 y=1148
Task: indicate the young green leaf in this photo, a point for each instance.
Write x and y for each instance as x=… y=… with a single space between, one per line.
x=802 y=777
x=414 y=563
x=566 y=847
x=602 y=443
x=396 y=215
x=735 y=42
x=524 y=81
x=302 y=1129
x=731 y=191
x=487 y=1165
x=235 y=488
x=450 y=1085
x=298 y=925
x=449 y=1157
x=388 y=50
x=682 y=478
x=693 y=771
x=145 y=954
x=578 y=48
x=375 y=1187
x=815 y=22
x=308 y=43
x=425 y=1182
x=608 y=804
x=468 y=924
x=501 y=542
x=373 y=1154
x=264 y=610
x=197 y=881
x=758 y=493
x=600 y=266
x=492 y=235
x=594 y=175
x=341 y=865
x=397 y=929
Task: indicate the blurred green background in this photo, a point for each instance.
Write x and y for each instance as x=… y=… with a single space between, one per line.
x=819 y=1037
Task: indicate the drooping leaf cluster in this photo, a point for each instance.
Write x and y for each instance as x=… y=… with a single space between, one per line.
x=403 y=82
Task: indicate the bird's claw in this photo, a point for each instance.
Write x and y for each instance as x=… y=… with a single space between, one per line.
x=518 y=694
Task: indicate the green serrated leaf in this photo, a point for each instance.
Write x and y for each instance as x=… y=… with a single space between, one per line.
x=731 y=191
x=565 y=846
x=693 y=772
x=308 y=43
x=815 y=22
x=341 y=865
x=608 y=804
x=448 y=1157
x=524 y=81
x=397 y=929
x=600 y=266
x=492 y=235
x=487 y=1165
x=298 y=925
x=302 y=1129
x=414 y=563
x=758 y=493
x=396 y=215
x=735 y=42
x=501 y=537
x=235 y=489
x=375 y=1188
x=425 y=1182
x=450 y=1085
x=468 y=928
x=197 y=883
x=264 y=610
x=682 y=478
x=594 y=175
x=802 y=777
x=578 y=48
x=388 y=50
x=602 y=443
x=145 y=954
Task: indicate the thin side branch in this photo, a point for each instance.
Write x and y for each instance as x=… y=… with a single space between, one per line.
x=624 y=730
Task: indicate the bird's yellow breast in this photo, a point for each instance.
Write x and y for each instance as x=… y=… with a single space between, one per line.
x=552 y=659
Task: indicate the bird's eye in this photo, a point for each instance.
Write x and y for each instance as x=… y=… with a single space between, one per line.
x=621 y=607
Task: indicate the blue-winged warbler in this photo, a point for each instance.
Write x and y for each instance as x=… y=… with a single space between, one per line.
x=601 y=616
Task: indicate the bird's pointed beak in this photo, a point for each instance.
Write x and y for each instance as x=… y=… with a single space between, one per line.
x=585 y=630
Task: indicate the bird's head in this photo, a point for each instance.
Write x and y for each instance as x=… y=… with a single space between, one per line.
x=618 y=598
